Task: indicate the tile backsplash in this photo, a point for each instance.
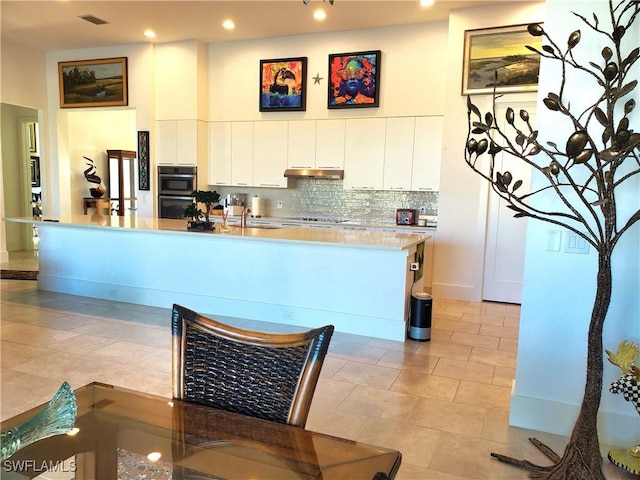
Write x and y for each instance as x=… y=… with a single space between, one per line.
x=327 y=199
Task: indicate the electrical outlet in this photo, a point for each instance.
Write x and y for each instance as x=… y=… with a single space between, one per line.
x=423 y=210
x=279 y=204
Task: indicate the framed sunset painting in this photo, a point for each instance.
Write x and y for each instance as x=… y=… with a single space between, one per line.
x=499 y=57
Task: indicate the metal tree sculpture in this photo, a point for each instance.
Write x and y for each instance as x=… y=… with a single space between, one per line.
x=599 y=157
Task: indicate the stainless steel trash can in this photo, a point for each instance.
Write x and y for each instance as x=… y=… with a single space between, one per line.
x=420 y=317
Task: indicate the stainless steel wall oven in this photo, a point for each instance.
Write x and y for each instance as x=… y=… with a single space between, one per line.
x=175 y=185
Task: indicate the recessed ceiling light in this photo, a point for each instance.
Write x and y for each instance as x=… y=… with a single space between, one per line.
x=149 y=33
x=319 y=15
x=228 y=25
x=426 y=3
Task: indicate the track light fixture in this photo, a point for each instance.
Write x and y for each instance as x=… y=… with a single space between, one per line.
x=306 y=2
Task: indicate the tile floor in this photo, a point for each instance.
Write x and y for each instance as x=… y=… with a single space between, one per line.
x=444 y=404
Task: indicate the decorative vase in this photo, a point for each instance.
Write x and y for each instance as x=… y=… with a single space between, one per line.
x=98 y=192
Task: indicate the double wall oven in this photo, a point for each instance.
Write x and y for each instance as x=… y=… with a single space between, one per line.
x=175 y=185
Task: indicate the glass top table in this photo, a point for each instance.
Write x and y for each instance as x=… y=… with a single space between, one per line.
x=126 y=435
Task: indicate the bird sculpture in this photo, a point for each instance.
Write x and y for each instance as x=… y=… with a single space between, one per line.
x=279 y=81
x=628 y=384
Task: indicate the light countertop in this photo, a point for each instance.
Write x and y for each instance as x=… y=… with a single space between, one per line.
x=324 y=236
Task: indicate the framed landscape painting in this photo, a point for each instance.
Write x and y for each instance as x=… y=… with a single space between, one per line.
x=498 y=56
x=283 y=84
x=93 y=83
x=354 y=79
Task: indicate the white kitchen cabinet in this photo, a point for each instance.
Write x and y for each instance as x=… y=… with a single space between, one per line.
x=330 y=144
x=166 y=142
x=301 y=144
x=180 y=142
x=242 y=154
x=427 y=153
x=364 y=153
x=219 y=153
x=270 y=140
x=398 y=153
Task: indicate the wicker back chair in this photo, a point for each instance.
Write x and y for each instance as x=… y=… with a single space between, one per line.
x=265 y=375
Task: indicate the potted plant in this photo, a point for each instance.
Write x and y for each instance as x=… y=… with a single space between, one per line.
x=207 y=197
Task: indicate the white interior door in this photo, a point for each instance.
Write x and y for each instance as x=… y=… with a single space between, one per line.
x=506 y=236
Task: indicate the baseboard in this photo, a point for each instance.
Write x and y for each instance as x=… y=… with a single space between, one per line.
x=614 y=428
x=455 y=292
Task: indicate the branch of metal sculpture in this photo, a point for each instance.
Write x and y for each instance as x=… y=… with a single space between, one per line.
x=587 y=175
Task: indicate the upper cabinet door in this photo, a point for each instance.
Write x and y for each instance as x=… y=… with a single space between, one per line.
x=180 y=142
x=330 y=144
x=302 y=144
x=364 y=153
x=398 y=153
x=166 y=142
x=270 y=154
x=219 y=153
x=427 y=153
x=242 y=153
x=188 y=142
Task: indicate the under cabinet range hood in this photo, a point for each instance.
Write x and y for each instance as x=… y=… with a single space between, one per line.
x=313 y=173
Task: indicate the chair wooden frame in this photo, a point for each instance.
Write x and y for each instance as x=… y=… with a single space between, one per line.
x=254 y=373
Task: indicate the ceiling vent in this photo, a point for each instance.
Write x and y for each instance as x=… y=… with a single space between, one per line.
x=94 y=20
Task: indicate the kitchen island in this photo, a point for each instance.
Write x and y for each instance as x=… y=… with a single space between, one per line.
x=358 y=281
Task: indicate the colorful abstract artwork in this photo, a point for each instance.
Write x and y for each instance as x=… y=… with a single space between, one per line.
x=283 y=84
x=354 y=79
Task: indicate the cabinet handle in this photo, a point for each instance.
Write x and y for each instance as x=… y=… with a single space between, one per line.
x=396 y=188
x=302 y=166
x=426 y=189
x=269 y=184
x=240 y=183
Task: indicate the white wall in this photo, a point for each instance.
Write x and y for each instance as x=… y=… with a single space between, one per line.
x=16 y=187
x=91 y=134
x=559 y=288
x=462 y=207
x=24 y=87
x=411 y=74
x=67 y=186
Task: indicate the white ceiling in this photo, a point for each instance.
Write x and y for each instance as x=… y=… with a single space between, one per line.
x=55 y=25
